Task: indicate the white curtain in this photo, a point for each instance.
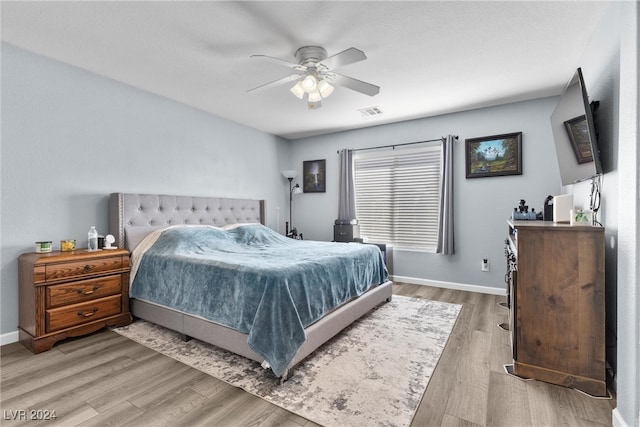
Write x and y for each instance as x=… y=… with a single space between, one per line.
x=346 y=201
x=445 y=230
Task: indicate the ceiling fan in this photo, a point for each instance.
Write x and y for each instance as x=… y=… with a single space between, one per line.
x=314 y=74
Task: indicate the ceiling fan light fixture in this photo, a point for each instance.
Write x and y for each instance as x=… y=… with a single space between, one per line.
x=325 y=88
x=297 y=90
x=309 y=83
x=314 y=105
x=315 y=96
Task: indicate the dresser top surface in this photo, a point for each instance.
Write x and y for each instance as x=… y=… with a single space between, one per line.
x=552 y=225
x=77 y=255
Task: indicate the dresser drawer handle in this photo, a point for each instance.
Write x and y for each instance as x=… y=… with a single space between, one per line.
x=88 y=291
x=88 y=314
x=87 y=268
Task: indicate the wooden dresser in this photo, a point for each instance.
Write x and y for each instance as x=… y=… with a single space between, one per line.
x=67 y=294
x=557 y=304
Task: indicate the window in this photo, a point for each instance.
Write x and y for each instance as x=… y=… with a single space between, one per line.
x=397 y=196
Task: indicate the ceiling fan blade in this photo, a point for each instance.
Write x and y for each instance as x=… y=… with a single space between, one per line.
x=287 y=79
x=354 y=84
x=280 y=62
x=346 y=57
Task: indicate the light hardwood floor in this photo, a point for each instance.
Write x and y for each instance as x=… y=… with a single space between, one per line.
x=107 y=380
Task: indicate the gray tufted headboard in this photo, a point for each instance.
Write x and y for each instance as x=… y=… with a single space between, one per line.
x=147 y=212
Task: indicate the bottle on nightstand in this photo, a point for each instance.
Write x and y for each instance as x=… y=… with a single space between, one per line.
x=93 y=239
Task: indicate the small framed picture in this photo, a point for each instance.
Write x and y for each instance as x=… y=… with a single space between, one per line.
x=496 y=155
x=313 y=175
x=579 y=137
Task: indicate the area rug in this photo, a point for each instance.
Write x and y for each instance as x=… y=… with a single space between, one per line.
x=373 y=373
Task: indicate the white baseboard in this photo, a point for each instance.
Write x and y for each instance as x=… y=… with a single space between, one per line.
x=9 y=337
x=450 y=285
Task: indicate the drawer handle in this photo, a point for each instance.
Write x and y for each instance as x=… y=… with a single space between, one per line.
x=88 y=291
x=87 y=268
x=89 y=313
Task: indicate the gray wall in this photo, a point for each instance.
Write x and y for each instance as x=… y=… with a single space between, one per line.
x=612 y=61
x=482 y=205
x=628 y=242
x=69 y=138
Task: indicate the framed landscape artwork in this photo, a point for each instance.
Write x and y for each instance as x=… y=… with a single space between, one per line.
x=313 y=175
x=579 y=137
x=496 y=155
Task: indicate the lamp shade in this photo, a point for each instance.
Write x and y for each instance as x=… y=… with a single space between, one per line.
x=289 y=174
x=297 y=90
x=309 y=83
x=297 y=189
x=324 y=88
x=314 y=96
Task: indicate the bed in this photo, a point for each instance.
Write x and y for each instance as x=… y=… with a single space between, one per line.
x=157 y=223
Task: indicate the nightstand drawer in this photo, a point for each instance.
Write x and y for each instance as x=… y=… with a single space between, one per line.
x=76 y=314
x=82 y=268
x=83 y=290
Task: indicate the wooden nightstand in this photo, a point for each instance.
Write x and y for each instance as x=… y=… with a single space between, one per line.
x=68 y=294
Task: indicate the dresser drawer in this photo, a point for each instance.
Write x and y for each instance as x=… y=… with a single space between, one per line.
x=82 y=268
x=76 y=314
x=83 y=290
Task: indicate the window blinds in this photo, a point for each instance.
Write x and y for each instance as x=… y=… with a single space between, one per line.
x=398 y=196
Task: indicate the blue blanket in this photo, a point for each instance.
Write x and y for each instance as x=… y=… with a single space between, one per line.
x=256 y=281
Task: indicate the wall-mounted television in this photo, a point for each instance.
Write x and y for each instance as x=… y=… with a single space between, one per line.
x=574 y=133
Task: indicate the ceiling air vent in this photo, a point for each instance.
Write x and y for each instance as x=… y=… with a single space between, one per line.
x=370 y=112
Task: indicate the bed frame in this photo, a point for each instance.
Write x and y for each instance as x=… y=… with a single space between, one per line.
x=147 y=212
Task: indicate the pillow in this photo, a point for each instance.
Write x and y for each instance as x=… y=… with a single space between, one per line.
x=133 y=235
x=239 y=224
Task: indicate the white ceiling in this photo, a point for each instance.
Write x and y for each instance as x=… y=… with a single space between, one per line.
x=428 y=57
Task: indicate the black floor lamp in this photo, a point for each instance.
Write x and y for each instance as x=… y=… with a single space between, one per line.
x=290 y=175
